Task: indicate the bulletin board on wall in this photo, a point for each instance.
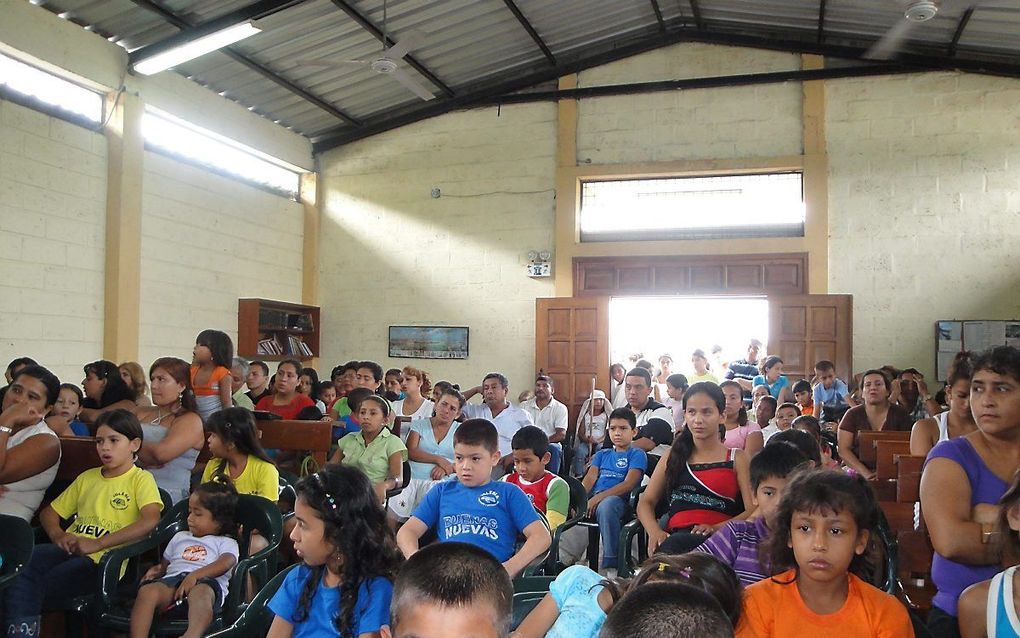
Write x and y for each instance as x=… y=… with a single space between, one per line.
x=952 y=336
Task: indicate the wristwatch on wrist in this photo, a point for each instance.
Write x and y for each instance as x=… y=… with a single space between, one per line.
x=6 y=430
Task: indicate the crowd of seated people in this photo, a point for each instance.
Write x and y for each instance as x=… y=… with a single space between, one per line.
x=749 y=491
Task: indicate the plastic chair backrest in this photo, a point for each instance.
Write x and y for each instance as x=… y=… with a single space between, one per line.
x=528 y=592
x=256 y=618
x=16 y=549
x=578 y=496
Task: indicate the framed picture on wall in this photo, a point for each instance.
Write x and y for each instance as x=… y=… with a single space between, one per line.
x=428 y=342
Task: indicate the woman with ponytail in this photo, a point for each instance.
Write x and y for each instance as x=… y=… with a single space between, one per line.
x=702 y=484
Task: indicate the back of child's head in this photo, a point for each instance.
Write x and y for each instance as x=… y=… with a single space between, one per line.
x=809 y=424
x=804 y=442
x=803 y=385
x=121 y=421
x=776 y=461
x=355 y=528
x=220 y=346
x=675 y=610
x=453 y=575
x=821 y=491
x=355 y=397
x=624 y=414
x=221 y=501
x=961 y=369
x=237 y=426
x=479 y=432
x=703 y=571
x=532 y=438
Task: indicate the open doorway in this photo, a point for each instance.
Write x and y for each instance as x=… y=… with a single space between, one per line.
x=653 y=326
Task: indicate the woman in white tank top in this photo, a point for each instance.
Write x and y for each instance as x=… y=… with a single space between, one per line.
x=29 y=450
x=957 y=420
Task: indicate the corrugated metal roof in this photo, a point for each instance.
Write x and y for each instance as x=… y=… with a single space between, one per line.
x=473 y=44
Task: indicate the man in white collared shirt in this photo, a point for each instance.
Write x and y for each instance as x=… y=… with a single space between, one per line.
x=551 y=417
x=506 y=417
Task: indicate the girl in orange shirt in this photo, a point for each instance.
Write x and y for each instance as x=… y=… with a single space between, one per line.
x=819 y=556
x=210 y=371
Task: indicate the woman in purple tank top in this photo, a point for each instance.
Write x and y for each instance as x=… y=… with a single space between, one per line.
x=963 y=480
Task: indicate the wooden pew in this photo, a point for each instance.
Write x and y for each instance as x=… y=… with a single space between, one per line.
x=908 y=477
x=914 y=570
x=77 y=454
x=885 y=452
x=314 y=437
x=866 y=444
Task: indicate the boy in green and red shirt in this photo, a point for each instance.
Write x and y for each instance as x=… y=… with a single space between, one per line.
x=549 y=493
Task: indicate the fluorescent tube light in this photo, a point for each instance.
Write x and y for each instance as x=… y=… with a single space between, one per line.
x=196 y=48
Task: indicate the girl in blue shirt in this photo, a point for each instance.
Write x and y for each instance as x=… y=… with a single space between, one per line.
x=772 y=378
x=350 y=558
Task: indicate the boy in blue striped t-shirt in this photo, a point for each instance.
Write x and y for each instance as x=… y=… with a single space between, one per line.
x=736 y=543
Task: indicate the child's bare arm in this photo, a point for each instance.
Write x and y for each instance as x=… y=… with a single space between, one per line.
x=220 y=566
x=540 y=620
x=589 y=479
x=537 y=541
x=409 y=534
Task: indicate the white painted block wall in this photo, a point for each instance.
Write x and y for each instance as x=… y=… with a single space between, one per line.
x=206 y=241
x=52 y=225
x=393 y=255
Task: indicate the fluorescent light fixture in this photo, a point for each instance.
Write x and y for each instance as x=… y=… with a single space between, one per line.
x=196 y=48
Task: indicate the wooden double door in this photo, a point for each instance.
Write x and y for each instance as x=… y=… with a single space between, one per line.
x=572 y=340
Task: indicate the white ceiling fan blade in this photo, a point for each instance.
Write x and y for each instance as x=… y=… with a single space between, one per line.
x=411 y=84
x=890 y=43
x=327 y=63
x=410 y=41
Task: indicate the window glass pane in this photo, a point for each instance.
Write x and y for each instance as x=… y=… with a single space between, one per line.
x=693 y=207
x=209 y=149
x=51 y=90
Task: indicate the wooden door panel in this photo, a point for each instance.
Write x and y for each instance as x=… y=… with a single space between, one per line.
x=805 y=329
x=572 y=347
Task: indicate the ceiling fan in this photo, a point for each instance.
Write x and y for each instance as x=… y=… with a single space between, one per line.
x=388 y=63
x=916 y=12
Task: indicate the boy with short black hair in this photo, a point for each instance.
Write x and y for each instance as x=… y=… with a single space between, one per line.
x=785 y=414
x=676 y=610
x=549 y=493
x=802 y=395
x=829 y=391
x=451 y=590
x=614 y=472
x=736 y=543
x=474 y=509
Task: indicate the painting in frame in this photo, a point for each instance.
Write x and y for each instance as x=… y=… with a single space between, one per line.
x=428 y=342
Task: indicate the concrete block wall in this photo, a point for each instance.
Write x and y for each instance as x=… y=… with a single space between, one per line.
x=52 y=226
x=738 y=122
x=924 y=207
x=392 y=255
x=206 y=241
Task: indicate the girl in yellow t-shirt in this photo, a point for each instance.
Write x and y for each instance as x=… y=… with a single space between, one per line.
x=818 y=553
x=115 y=504
x=238 y=456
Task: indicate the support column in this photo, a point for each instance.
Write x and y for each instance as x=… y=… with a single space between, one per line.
x=566 y=187
x=125 y=166
x=310 y=247
x=816 y=178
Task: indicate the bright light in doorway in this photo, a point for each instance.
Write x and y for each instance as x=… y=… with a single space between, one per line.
x=680 y=325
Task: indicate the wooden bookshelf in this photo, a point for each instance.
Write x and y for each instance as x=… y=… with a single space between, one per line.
x=293 y=328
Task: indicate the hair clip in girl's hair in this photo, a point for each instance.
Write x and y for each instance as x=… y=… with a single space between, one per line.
x=327 y=496
x=663 y=567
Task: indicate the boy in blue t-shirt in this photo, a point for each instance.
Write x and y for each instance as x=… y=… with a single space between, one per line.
x=476 y=510
x=614 y=472
x=830 y=391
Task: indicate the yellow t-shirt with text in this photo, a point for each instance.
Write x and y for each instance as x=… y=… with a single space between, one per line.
x=106 y=505
x=258 y=477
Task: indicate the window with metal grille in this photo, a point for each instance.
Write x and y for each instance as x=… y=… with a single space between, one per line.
x=716 y=207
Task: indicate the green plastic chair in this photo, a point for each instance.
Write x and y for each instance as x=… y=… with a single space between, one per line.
x=253 y=513
x=528 y=592
x=577 y=512
x=78 y=609
x=256 y=618
x=16 y=549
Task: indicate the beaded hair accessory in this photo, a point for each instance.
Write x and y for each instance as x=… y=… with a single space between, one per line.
x=330 y=501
